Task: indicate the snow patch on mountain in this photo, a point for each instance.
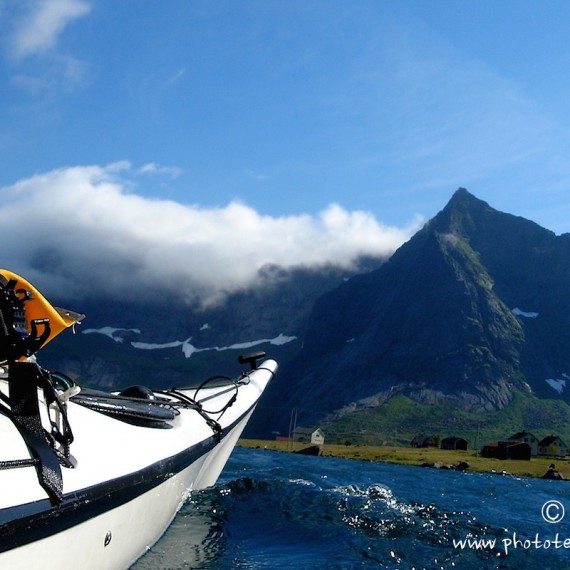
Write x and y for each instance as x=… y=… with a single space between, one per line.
x=559 y=384
x=189 y=349
x=528 y=315
x=112 y=332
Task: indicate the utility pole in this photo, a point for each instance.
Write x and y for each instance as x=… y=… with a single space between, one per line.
x=292 y=426
x=477 y=441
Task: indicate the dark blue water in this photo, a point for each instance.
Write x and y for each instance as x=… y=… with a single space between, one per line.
x=276 y=510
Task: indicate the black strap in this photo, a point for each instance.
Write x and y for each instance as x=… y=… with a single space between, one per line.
x=23 y=378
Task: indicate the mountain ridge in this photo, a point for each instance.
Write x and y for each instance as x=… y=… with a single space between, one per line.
x=437 y=322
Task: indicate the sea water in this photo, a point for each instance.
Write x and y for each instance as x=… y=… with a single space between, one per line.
x=279 y=510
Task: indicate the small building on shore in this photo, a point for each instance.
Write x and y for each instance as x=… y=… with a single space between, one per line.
x=528 y=438
x=423 y=440
x=552 y=446
x=453 y=443
x=507 y=450
x=313 y=436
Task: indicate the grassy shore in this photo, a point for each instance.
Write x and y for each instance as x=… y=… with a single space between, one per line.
x=536 y=467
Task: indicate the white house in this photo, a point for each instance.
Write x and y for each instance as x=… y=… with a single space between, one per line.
x=552 y=445
x=309 y=435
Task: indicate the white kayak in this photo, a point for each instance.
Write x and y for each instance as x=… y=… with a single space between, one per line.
x=92 y=480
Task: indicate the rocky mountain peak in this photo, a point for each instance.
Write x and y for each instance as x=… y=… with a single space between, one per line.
x=462 y=313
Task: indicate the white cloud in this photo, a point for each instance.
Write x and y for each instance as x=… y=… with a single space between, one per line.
x=31 y=31
x=153 y=168
x=81 y=229
x=37 y=31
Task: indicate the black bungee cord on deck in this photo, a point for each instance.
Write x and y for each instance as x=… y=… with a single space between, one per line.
x=198 y=406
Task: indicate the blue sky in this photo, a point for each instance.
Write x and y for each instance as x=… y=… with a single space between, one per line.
x=282 y=109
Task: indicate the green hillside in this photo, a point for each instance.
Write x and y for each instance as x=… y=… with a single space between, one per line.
x=399 y=419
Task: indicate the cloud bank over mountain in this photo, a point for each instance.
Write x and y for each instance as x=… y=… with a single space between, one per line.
x=84 y=230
